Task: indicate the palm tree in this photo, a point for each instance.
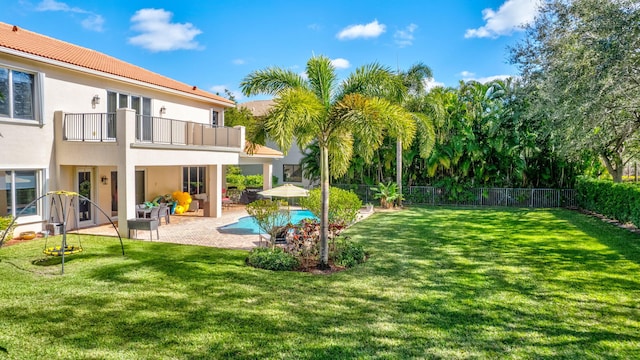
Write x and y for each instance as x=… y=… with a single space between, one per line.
x=310 y=163
x=334 y=113
x=414 y=81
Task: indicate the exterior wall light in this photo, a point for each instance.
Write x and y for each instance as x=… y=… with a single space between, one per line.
x=104 y=180
x=95 y=101
x=163 y=110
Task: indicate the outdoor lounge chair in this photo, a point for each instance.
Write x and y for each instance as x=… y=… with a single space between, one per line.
x=281 y=236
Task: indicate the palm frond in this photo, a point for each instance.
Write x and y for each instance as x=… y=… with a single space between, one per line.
x=374 y=80
x=414 y=78
x=340 y=153
x=322 y=78
x=293 y=112
x=271 y=81
x=426 y=134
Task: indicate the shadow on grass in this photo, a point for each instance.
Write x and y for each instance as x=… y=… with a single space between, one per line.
x=440 y=283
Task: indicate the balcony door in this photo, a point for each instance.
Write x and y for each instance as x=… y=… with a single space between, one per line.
x=142 y=106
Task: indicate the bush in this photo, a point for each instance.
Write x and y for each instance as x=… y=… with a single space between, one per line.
x=269 y=216
x=4 y=226
x=614 y=200
x=343 y=205
x=253 y=181
x=236 y=181
x=348 y=253
x=272 y=259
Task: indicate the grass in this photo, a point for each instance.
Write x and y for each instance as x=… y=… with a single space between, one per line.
x=440 y=283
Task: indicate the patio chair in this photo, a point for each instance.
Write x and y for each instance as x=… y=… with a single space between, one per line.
x=164 y=212
x=154 y=214
x=142 y=211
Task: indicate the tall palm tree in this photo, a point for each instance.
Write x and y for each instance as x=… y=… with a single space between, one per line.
x=334 y=113
x=414 y=81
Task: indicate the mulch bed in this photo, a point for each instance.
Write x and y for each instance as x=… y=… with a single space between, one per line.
x=626 y=226
x=18 y=240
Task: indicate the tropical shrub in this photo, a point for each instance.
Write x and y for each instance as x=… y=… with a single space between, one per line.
x=387 y=194
x=4 y=227
x=269 y=216
x=343 y=205
x=304 y=243
x=236 y=181
x=617 y=201
x=348 y=253
x=272 y=259
x=253 y=181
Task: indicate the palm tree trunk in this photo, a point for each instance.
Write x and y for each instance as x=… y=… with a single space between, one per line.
x=399 y=169
x=324 y=216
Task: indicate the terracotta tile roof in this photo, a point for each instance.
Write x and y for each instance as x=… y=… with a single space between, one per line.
x=15 y=38
x=261 y=150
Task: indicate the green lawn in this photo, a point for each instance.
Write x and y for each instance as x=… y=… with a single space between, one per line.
x=440 y=283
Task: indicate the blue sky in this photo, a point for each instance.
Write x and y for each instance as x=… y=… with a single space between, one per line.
x=215 y=44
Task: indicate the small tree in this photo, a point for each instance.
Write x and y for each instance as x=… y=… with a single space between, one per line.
x=269 y=216
x=387 y=194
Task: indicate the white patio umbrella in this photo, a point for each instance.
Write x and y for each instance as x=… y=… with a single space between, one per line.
x=286 y=191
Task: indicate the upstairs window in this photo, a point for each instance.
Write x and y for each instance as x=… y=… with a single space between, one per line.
x=292 y=173
x=214 y=119
x=18 y=94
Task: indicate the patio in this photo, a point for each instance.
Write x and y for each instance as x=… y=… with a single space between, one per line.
x=194 y=229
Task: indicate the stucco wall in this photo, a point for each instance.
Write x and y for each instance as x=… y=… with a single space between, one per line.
x=293 y=157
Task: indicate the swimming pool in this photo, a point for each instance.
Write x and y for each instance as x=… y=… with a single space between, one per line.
x=248 y=225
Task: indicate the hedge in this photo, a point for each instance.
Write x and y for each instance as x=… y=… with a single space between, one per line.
x=617 y=201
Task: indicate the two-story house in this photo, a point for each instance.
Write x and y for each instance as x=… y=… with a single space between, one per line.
x=74 y=119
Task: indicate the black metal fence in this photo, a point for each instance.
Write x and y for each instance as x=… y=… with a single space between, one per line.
x=515 y=197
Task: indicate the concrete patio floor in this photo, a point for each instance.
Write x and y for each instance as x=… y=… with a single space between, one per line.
x=195 y=229
x=192 y=229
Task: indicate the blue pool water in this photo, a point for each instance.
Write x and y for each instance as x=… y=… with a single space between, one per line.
x=247 y=224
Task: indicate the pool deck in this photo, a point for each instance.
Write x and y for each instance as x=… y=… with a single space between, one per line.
x=194 y=229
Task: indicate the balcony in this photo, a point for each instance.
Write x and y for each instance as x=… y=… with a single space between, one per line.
x=150 y=130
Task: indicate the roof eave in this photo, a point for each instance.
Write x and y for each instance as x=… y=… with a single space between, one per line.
x=98 y=73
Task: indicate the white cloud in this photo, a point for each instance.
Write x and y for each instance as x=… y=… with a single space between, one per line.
x=483 y=80
x=370 y=30
x=52 y=5
x=158 y=33
x=405 y=37
x=314 y=27
x=432 y=83
x=340 y=63
x=239 y=61
x=467 y=74
x=509 y=17
x=94 y=23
